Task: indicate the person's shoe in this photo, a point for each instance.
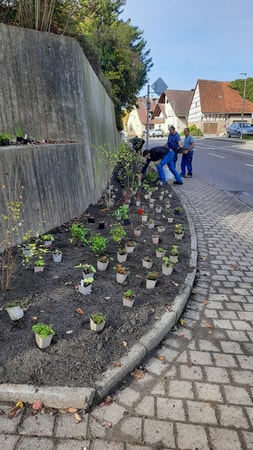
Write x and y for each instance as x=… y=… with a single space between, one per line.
x=178 y=182
x=183 y=175
x=189 y=175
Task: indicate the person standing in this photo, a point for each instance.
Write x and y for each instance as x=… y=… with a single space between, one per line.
x=186 y=161
x=161 y=156
x=174 y=142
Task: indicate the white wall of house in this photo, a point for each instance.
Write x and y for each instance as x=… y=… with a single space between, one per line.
x=134 y=125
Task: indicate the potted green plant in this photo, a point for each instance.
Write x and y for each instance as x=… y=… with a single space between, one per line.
x=39 y=265
x=118 y=233
x=43 y=334
x=167 y=266
x=151 y=224
x=160 y=252
x=102 y=262
x=161 y=228
x=15 y=309
x=57 y=255
x=125 y=213
x=147 y=262
x=137 y=231
x=98 y=243
x=170 y=217
x=121 y=273
x=78 y=234
x=138 y=199
x=174 y=254
x=155 y=238
x=85 y=284
x=158 y=209
x=128 y=298
x=144 y=217
x=130 y=246
x=48 y=240
x=179 y=231
x=88 y=270
x=121 y=255
x=97 y=322
x=178 y=210
x=151 y=279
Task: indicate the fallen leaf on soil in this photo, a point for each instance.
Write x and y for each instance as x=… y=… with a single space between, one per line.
x=34 y=318
x=209 y=405
x=205 y=302
x=107 y=401
x=175 y=284
x=234 y=266
x=68 y=283
x=182 y=322
x=14 y=412
x=157 y=318
x=107 y=298
x=78 y=417
x=1 y=412
x=162 y=358
x=69 y=331
x=106 y=424
x=181 y=335
x=138 y=374
x=116 y=364
x=72 y=410
x=37 y=406
x=124 y=343
x=79 y=311
x=138 y=276
x=105 y=209
x=55 y=277
x=208 y=325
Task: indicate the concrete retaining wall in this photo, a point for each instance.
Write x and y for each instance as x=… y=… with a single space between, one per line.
x=48 y=88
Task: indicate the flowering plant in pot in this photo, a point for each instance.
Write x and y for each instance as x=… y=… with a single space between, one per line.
x=167 y=266
x=57 y=255
x=121 y=254
x=151 y=279
x=97 y=322
x=160 y=252
x=43 y=334
x=147 y=262
x=179 y=231
x=174 y=254
x=121 y=273
x=102 y=262
x=130 y=246
x=84 y=286
x=88 y=270
x=128 y=298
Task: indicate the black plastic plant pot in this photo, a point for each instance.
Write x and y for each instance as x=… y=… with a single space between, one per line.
x=5 y=141
x=91 y=220
x=126 y=221
x=101 y=225
x=25 y=141
x=19 y=139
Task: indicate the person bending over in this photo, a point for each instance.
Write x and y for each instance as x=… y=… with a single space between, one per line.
x=161 y=156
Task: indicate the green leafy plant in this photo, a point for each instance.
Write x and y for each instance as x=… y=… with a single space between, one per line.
x=152 y=275
x=78 y=234
x=88 y=281
x=128 y=294
x=124 y=211
x=166 y=261
x=21 y=303
x=98 y=243
x=179 y=228
x=39 y=262
x=47 y=237
x=118 y=233
x=98 y=318
x=151 y=177
x=174 y=250
x=148 y=258
x=43 y=330
x=86 y=268
x=121 y=269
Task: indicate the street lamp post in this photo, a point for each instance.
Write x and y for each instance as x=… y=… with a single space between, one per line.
x=147 y=123
x=243 y=98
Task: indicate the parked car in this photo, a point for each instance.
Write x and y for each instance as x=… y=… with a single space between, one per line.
x=237 y=129
x=156 y=133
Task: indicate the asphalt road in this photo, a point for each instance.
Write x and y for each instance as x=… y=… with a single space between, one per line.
x=226 y=164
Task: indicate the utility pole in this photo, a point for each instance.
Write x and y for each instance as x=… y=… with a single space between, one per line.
x=243 y=98
x=147 y=123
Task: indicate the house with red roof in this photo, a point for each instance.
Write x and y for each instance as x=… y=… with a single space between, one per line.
x=137 y=118
x=215 y=105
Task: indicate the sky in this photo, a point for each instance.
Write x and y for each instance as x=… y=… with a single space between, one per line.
x=194 y=39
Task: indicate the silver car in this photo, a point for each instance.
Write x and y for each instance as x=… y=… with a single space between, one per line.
x=238 y=129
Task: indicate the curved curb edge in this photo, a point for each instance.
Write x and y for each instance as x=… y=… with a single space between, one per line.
x=83 y=398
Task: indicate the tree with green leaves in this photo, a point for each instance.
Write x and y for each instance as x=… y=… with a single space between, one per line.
x=239 y=86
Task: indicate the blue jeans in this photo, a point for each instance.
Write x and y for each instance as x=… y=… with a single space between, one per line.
x=169 y=160
x=186 y=162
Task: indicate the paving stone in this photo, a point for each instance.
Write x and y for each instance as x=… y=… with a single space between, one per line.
x=223 y=360
x=201 y=358
x=171 y=409
x=239 y=336
x=128 y=396
x=250 y=414
x=158 y=432
x=241 y=325
x=156 y=366
x=32 y=443
x=228 y=315
x=191 y=437
x=246 y=362
x=95 y=429
x=232 y=416
x=237 y=298
x=242 y=377
x=201 y=412
x=7 y=425
x=71 y=444
x=208 y=346
x=217 y=375
x=241 y=291
x=169 y=354
x=68 y=427
x=146 y=407
x=8 y=441
x=39 y=425
x=106 y=445
x=231 y=347
x=193 y=373
x=180 y=389
x=246 y=315
x=211 y=313
x=138 y=447
x=223 y=439
x=131 y=427
x=159 y=388
x=223 y=324
x=248 y=440
x=218 y=297
x=208 y=391
x=112 y=413
x=237 y=395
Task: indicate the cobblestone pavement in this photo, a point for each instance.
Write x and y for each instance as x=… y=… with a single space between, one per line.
x=197 y=391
